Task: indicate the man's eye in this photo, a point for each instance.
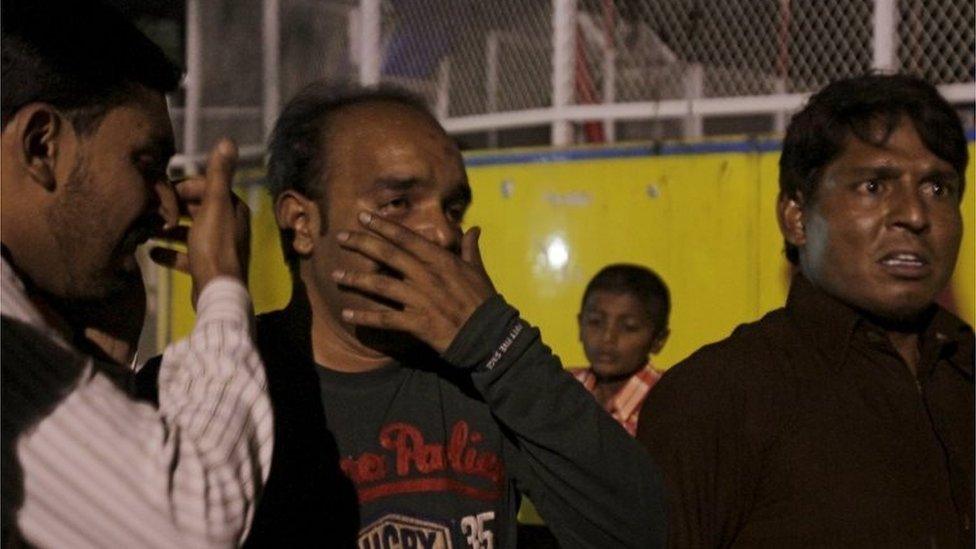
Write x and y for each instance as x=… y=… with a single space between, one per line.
x=938 y=188
x=153 y=174
x=455 y=213
x=871 y=186
x=397 y=204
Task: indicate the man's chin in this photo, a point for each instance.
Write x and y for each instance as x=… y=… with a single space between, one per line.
x=900 y=309
x=392 y=343
x=109 y=285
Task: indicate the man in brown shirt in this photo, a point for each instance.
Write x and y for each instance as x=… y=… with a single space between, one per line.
x=846 y=418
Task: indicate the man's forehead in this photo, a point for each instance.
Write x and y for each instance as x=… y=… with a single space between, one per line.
x=139 y=123
x=378 y=134
x=381 y=118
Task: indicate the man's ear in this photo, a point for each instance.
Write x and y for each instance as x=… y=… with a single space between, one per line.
x=789 y=214
x=301 y=216
x=37 y=130
x=659 y=340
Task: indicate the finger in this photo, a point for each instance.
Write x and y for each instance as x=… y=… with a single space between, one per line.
x=405 y=321
x=471 y=249
x=177 y=234
x=190 y=189
x=171 y=259
x=416 y=244
x=380 y=285
x=220 y=168
x=189 y=194
x=241 y=211
x=387 y=253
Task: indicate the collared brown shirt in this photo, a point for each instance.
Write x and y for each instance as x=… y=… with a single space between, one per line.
x=807 y=428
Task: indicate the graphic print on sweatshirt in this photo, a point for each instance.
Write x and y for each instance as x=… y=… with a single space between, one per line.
x=397 y=531
x=457 y=485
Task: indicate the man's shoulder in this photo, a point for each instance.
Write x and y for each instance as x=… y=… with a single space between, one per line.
x=281 y=332
x=271 y=320
x=752 y=356
x=959 y=333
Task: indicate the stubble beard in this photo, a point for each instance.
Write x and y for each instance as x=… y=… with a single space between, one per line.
x=75 y=222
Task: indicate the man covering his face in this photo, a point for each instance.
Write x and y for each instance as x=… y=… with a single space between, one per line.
x=414 y=406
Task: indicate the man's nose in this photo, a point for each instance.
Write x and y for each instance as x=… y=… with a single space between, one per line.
x=436 y=228
x=907 y=208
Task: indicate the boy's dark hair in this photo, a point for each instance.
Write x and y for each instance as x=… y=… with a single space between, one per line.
x=297 y=148
x=80 y=56
x=638 y=281
x=853 y=107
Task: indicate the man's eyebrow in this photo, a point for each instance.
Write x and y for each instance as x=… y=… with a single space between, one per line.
x=883 y=172
x=396 y=184
x=890 y=172
x=941 y=174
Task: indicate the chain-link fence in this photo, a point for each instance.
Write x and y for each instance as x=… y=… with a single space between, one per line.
x=486 y=66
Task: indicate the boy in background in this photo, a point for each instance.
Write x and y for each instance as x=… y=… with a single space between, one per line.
x=622 y=321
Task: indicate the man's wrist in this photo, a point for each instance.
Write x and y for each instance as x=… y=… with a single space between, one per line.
x=223 y=298
x=483 y=334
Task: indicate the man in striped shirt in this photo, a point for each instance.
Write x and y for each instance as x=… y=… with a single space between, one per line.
x=85 y=143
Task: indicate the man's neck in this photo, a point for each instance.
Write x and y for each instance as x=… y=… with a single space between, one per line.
x=606 y=390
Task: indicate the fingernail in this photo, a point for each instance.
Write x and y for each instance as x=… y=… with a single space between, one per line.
x=365 y=218
x=347 y=314
x=227 y=147
x=342 y=236
x=338 y=274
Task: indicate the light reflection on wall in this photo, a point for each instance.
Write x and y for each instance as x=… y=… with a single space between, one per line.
x=552 y=259
x=557 y=253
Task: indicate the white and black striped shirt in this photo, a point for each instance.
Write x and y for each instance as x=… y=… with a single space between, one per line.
x=87 y=465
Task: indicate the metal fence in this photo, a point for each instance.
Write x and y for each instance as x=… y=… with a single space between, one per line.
x=579 y=67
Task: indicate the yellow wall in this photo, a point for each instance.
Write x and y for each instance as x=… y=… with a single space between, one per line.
x=703 y=220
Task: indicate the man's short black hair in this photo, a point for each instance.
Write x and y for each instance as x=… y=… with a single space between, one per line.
x=640 y=282
x=853 y=107
x=80 y=56
x=297 y=148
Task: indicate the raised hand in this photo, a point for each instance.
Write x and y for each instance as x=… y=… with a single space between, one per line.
x=439 y=290
x=218 y=238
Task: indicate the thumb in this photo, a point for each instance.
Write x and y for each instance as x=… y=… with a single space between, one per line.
x=470 y=248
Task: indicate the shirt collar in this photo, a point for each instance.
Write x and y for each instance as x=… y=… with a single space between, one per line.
x=952 y=340
x=830 y=324
x=631 y=395
x=628 y=399
x=825 y=321
x=16 y=304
